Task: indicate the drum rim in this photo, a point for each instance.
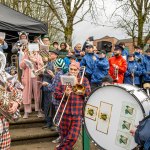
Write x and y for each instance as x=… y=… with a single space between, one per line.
x=142 y=108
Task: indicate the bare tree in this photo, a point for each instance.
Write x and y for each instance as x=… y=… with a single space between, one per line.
x=140 y=9
x=66 y=11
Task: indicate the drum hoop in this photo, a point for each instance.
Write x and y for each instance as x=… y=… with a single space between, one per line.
x=142 y=108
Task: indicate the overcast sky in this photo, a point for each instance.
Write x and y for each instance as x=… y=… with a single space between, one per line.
x=87 y=28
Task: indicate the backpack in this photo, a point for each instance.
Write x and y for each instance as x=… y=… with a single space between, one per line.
x=142 y=134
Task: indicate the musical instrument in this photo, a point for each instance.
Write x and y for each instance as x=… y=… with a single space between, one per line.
x=55 y=121
x=147 y=87
x=79 y=89
x=6 y=97
x=39 y=71
x=133 y=77
x=2 y=37
x=116 y=72
x=111 y=112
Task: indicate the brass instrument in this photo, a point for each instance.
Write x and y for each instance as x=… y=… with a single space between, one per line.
x=56 y=114
x=116 y=72
x=147 y=87
x=79 y=89
x=39 y=71
x=8 y=94
x=133 y=78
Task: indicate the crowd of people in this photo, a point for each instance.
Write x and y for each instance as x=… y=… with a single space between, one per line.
x=47 y=90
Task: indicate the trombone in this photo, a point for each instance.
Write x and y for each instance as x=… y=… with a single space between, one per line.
x=55 y=117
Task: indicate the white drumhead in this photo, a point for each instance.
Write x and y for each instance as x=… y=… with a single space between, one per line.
x=110 y=113
x=140 y=94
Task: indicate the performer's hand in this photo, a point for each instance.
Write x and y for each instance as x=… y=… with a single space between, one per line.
x=115 y=66
x=32 y=59
x=132 y=131
x=44 y=83
x=13 y=107
x=68 y=91
x=82 y=53
x=50 y=73
x=132 y=75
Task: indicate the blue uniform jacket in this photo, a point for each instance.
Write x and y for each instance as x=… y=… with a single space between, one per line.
x=146 y=68
x=88 y=61
x=138 y=57
x=101 y=68
x=135 y=67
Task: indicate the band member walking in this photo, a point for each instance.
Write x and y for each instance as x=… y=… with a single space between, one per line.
x=70 y=124
x=30 y=83
x=101 y=68
x=118 y=65
x=134 y=71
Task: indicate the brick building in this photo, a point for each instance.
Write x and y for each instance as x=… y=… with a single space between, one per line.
x=99 y=43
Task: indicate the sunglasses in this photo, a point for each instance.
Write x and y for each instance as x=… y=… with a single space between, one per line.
x=73 y=69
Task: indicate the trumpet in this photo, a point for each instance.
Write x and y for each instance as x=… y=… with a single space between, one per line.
x=38 y=72
x=133 y=78
x=116 y=72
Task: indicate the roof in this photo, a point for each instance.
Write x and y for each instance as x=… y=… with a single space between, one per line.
x=106 y=37
x=12 y=20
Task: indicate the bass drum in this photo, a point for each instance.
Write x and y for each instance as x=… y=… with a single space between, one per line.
x=111 y=112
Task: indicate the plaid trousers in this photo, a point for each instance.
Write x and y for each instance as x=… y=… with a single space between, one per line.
x=4 y=134
x=69 y=131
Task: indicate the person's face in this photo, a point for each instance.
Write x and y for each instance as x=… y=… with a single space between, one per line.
x=52 y=56
x=89 y=49
x=117 y=52
x=137 y=50
x=73 y=71
x=102 y=55
x=56 y=46
x=36 y=40
x=78 y=47
x=131 y=58
x=23 y=37
x=62 y=46
x=72 y=60
x=148 y=54
x=46 y=41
